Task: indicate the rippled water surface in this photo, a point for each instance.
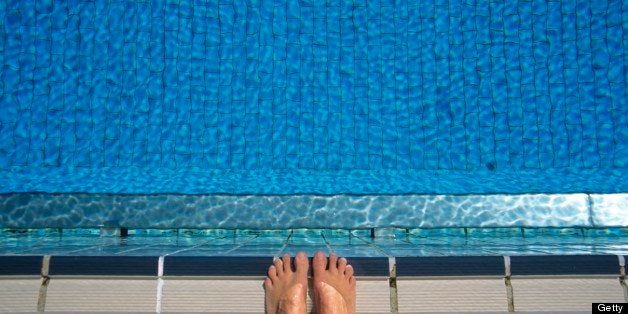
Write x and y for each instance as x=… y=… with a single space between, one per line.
x=313 y=97
x=277 y=114
x=311 y=211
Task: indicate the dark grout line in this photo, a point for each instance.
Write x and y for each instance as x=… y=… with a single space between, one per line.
x=622 y=275
x=510 y=296
x=392 y=283
x=327 y=244
x=373 y=245
x=285 y=245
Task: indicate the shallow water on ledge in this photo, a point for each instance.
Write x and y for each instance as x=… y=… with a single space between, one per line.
x=80 y=210
x=360 y=242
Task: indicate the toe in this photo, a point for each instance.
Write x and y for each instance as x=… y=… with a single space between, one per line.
x=333 y=263
x=302 y=264
x=278 y=263
x=287 y=267
x=349 y=271
x=342 y=265
x=272 y=272
x=319 y=263
x=268 y=283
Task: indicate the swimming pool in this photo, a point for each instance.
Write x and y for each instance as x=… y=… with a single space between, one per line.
x=281 y=114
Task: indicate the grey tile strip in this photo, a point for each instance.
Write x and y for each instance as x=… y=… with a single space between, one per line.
x=45 y=280
x=392 y=282
x=510 y=297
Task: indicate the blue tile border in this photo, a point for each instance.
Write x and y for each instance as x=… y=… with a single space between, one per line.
x=565 y=265
x=450 y=266
x=216 y=266
x=369 y=266
x=254 y=266
x=104 y=265
x=20 y=265
x=446 y=266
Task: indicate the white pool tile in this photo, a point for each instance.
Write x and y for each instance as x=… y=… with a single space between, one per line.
x=373 y=296
x=564 y=294
x=213 y=296
x=19 y=295
x=95 y=295
x=451 y=295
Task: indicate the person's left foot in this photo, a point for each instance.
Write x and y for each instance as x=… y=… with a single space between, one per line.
x=334 y=285
x=286 y=289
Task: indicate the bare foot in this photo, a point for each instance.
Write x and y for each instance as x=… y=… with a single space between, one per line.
x=286 y=289
x=334 y=287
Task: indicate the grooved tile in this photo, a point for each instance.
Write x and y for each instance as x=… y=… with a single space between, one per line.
x=574 y=294
x=451 y=295
x=95 y=295
x=213 y=296
x=218 y=296
x=373 y=296
x=19 y=295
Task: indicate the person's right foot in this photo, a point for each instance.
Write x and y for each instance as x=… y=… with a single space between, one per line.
x=286 y=288
x=334 y=286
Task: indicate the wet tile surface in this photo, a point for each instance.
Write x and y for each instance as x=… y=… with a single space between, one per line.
x=355 y=243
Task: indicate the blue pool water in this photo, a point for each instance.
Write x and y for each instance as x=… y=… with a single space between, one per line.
x=313 y=97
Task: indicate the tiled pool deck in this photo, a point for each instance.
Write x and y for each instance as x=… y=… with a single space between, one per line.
x=540 y=253
x=399 y=270
x=233 y=284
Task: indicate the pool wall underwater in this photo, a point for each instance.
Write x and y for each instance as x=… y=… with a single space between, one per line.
x=282 y=114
